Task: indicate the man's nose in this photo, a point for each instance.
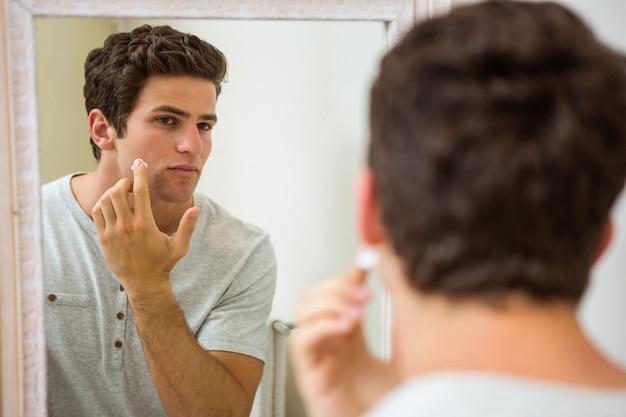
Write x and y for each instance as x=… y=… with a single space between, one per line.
x=190 y=141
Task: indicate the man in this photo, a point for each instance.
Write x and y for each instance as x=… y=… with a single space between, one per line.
x=156 y=298
x=498 y=146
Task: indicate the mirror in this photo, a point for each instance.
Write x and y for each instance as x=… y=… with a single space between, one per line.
x=22 y=336
x=289 y=144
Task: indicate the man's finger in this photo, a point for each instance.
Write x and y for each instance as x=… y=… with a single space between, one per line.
x=140 y=187
x=98 y=218
x=119 y=199
x=107 y=210
x=185 y=229
x=365 y=261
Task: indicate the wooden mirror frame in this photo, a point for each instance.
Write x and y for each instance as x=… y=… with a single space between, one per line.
x=22 y=332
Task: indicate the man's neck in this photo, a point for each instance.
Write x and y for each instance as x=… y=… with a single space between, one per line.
x=524 y=338
x=88 y=189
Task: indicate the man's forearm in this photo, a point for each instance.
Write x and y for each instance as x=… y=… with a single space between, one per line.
x=189 y=380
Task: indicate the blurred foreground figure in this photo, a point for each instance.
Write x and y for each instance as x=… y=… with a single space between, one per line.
x=498 y=146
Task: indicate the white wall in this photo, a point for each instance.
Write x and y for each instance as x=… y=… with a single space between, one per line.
x=603 y=310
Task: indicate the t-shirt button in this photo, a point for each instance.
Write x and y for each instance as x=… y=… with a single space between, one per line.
x=52 y=297
x=118 y=344
x=121 y=288
x=120 y=316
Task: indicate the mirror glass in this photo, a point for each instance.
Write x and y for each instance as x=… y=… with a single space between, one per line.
x=289 y=143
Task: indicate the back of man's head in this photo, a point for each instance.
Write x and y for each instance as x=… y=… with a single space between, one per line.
x=498 y=146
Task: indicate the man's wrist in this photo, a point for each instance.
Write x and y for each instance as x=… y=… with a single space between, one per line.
x=152 y=294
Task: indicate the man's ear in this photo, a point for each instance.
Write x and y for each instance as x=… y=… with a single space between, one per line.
x=101 y=130
x=370 y=225
x=605 y=239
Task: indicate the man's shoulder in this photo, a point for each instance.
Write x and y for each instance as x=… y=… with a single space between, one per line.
x=58 y=187
x=228 y=236
x=53 y=194
x=51 y=187
x=470 y=394
x=219 y=219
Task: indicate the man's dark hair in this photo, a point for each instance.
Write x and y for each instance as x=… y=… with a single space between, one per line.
x=498 y=146
x=116 y=73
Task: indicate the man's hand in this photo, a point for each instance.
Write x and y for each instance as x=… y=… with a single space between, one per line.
x=335 y=372
x=135 y=249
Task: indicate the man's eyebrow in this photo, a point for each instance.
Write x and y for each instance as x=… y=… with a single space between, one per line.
x=182 y=113
x=212 y=117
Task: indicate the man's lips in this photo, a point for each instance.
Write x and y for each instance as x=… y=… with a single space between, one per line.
x=185 y=169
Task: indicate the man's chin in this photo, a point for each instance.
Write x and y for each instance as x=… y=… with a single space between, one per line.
x=174 y=198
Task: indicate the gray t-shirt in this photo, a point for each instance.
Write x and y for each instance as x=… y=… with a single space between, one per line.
x=96 y=365
x=474 y=394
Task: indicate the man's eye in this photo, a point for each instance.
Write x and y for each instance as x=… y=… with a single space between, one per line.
x=166 y=120
x=204 y=126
